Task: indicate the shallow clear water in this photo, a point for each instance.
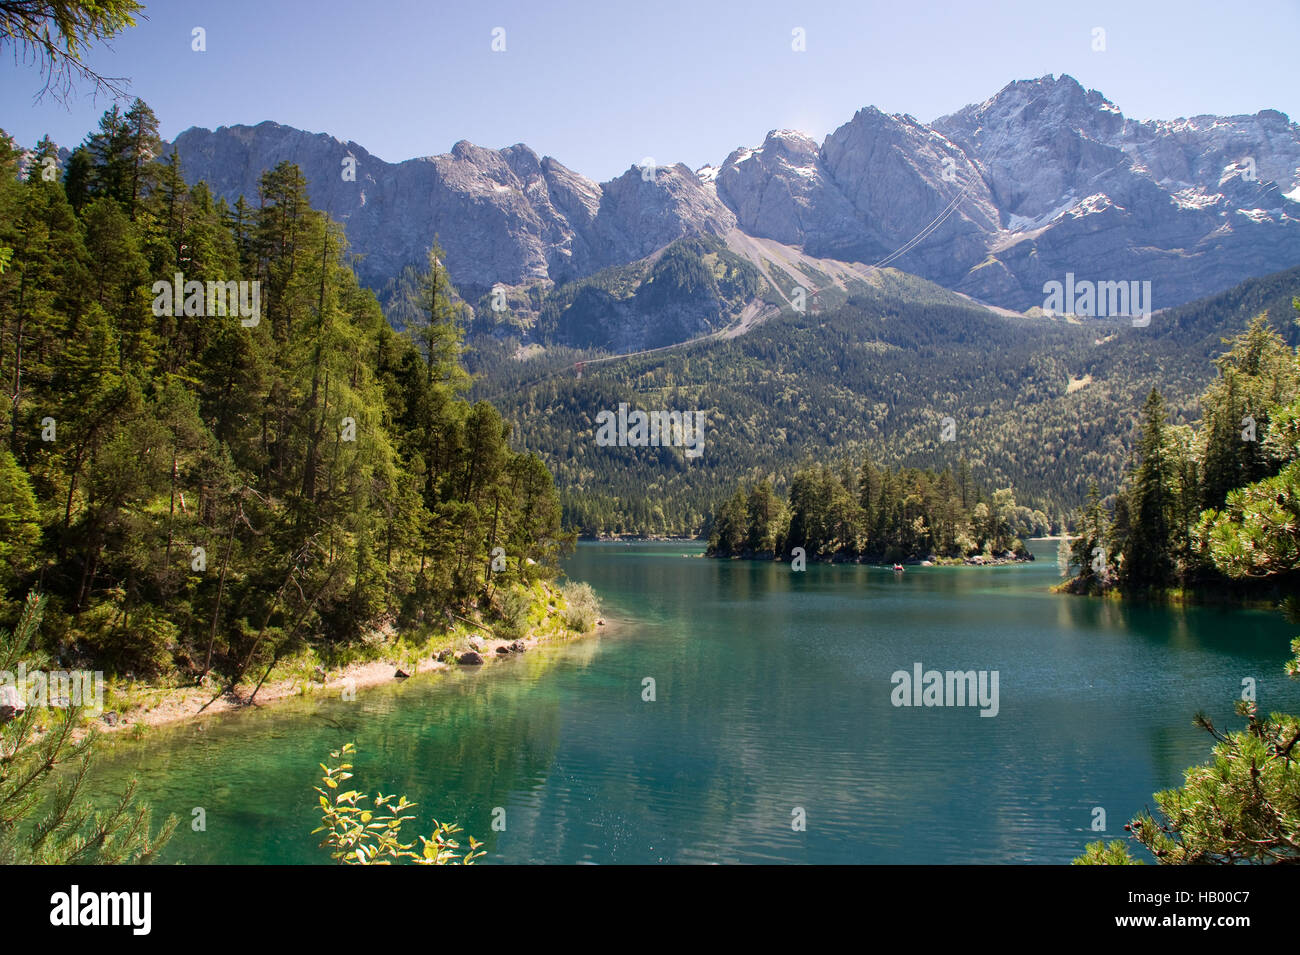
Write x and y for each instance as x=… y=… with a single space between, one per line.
x=773 y=693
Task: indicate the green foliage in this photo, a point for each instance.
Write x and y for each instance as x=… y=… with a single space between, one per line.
x=19 y=518
x=44 y=817
x=55 y=34
x=1044 y=407
x=1256 y=533
x=1102 y=853
x=695 y=286
x=1241 y=807
x=1244 y=805
x=873 y=514
x=516 y=608
x=1257 y=375
x=581 y=606
x=1146 y=555
x=1242 y=461
x=212 y=489
x=357 y=835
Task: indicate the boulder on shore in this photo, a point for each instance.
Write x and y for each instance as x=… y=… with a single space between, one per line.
x=11 y=703
x=470 y=658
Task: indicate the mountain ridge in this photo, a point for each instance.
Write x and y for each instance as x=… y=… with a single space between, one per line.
x=1041 y=178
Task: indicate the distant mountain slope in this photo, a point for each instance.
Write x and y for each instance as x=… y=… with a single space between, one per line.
x=1043 y=405
x=1042 y=179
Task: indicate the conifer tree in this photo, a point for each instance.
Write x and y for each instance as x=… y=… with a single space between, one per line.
x=1146 y=551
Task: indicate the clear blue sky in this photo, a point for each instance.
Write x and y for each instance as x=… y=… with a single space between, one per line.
x=599 y=85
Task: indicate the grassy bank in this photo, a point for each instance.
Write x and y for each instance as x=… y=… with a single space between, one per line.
x=540 y=613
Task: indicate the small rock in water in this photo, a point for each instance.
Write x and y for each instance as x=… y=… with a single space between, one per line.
x=503 y=649
x=400 y=674
x=469 y=658
x=518 y=647
x=600 y=622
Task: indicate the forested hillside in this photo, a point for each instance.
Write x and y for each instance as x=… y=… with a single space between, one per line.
x=1044 y=406
x=205 y=477
x=1207 y=505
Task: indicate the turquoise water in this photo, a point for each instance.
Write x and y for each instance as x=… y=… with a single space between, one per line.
x=772 y=696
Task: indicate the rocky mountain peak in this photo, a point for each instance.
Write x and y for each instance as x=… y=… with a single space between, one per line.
x=1043 y=177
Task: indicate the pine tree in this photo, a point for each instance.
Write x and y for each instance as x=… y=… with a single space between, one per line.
x=108 y=150
x=441 y=335
x=1146 y=552
x=141 y=147
x=761 y=511
x=43 y=823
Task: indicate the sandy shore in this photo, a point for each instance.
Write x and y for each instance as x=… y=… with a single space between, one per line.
x=162 y=706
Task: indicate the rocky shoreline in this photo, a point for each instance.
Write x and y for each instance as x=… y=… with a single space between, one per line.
x=168 y=705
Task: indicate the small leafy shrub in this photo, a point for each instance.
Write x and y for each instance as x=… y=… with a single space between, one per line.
x=356 y=835
x=516 y=605
x=582 y=607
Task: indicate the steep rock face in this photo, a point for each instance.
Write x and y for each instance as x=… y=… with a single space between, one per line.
x=501 y=215
x=782 y=191
x=577 y=200
x=1039 y=141
x=640 y=213
x=1188 y=204
x=1207 y=150
x=908 y=181
x=994 y=200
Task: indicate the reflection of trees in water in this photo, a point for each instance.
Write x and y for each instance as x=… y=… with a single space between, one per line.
x=458 y=745
x=464 y=747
